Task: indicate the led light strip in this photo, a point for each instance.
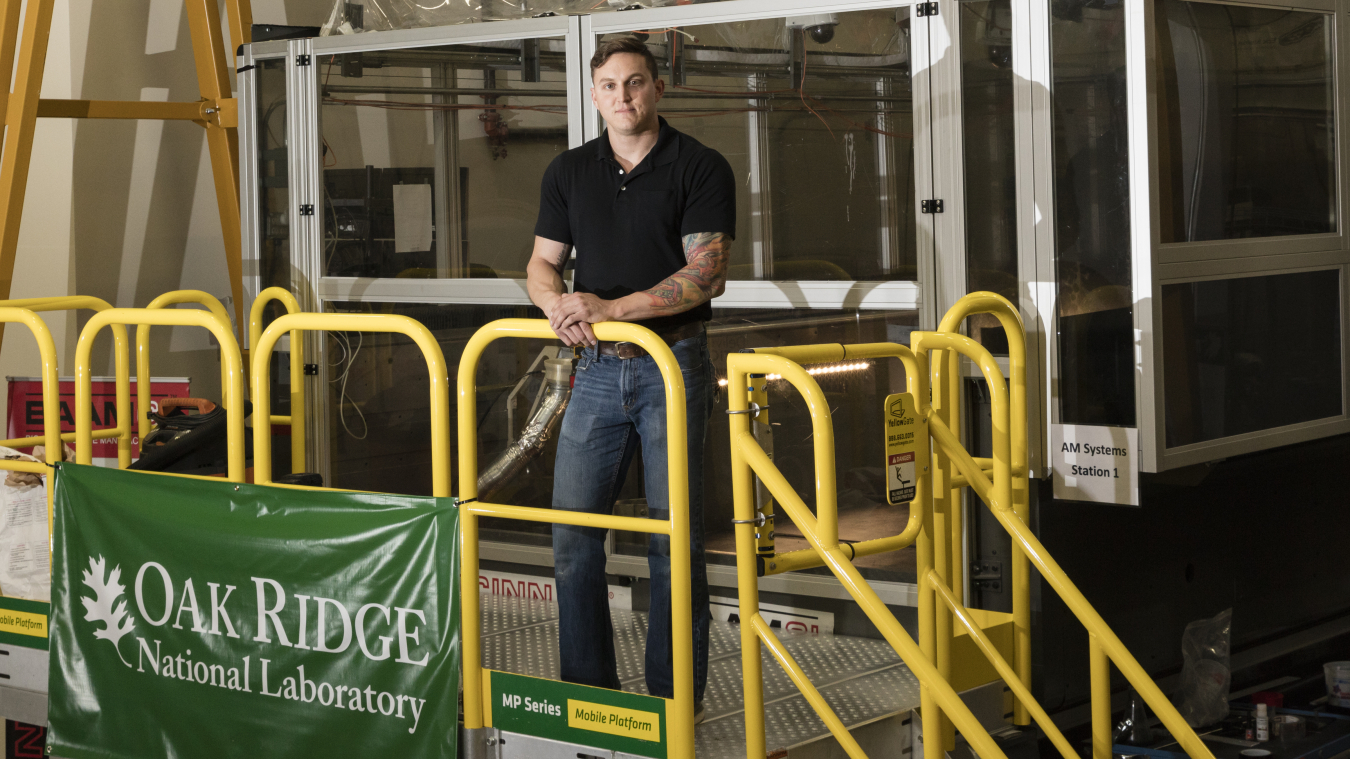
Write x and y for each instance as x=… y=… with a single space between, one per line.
x=821 y=369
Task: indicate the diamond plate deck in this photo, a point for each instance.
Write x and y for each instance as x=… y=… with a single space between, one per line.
x=862 y=679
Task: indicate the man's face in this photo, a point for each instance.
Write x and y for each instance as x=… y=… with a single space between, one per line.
x=626 y=94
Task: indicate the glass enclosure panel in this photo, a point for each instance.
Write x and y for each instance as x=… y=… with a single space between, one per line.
x=827 y=159
x=1240 y=356
x=379 y=398
x=990 y=161
x=1245 y=121
x=274 y=196
x=380 y=419
x=433 y=157
x=1092 y=217
x=274 y=208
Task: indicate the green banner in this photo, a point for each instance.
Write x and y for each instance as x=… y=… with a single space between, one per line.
x=194 y=618
x=607 y=719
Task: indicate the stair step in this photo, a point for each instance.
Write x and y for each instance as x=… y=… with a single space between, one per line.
x=862 y=679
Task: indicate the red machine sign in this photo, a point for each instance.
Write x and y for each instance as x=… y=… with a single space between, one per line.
x=25 y=409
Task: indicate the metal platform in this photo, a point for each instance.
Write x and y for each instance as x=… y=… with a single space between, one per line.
x=871 y=690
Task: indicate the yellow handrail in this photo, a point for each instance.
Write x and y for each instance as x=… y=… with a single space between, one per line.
x=51 y=404
x=391 y=323
x=171 y=298
x=984 y=302
x=296 y=420
x=807 y=558
x=231 y=364
x=1001 y=481
x=122 y=379
x=680 y=709
x=747 y=457
x=999 y=494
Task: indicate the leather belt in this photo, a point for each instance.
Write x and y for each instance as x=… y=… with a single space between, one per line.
x=633 y=350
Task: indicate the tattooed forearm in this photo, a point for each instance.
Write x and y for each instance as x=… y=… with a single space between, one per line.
x=703 y=278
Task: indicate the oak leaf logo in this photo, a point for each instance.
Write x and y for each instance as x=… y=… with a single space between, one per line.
x=100 y=608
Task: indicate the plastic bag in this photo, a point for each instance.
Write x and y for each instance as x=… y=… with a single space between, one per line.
x=1202 y=698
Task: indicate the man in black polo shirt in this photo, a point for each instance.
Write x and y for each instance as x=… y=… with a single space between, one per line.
x=651 y=214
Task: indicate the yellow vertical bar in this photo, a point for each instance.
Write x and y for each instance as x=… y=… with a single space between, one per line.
x=1100 y=668
x=124 y=421
x=957 y=554
x=943 y=735
x=208 y=48
x=747 y=576
x=9 y=37
x=20 y=120
x=299 y=441
x=143 y=381
x=470 y=618
x=255 y=319
x=240 y=13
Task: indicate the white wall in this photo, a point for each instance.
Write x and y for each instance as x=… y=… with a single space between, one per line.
x=125 y=210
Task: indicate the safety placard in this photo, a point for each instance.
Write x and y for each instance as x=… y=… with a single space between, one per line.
x=630 y=723
x=906 y=447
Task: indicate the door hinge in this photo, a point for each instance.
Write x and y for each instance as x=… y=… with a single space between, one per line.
x=925 y=9
x=311 y=370
x=308 y=209
x=303 y=60
x=987 y=575
x=931 y=206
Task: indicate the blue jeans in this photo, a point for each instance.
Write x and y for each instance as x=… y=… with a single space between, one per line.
x=615 y=404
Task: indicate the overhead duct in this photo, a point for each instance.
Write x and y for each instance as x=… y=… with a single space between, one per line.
x=557 y=391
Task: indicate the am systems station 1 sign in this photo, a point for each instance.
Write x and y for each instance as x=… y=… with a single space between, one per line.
x=202 y=619
x=1097 y=464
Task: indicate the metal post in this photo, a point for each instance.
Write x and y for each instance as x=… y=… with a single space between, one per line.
x=1100 y=668
x=747 y=580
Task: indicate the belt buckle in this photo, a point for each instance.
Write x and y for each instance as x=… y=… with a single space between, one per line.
x=626 y=350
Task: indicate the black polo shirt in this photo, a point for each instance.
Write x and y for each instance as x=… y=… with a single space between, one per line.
x=626 y=226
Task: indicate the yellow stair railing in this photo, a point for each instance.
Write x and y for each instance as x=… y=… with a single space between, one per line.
x=934 y=528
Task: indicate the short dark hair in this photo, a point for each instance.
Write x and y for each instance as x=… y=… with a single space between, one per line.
x=610 y=48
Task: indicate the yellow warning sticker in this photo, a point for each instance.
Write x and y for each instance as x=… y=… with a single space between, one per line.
x=23 y=623
x=614 y=720
x=906 y=447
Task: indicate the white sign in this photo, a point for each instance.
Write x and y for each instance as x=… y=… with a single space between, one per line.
x=1096 y=464
x=412 y=218
x=783 y=617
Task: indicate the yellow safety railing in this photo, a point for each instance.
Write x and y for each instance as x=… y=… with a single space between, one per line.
x=822 y=533
x=1000 y=481
x=230 y=361
x=51 y=403
x=122 y=377
x=296 y=420
x=680 y=709
x=171 y=298
x=947 y=504
x=294 y=323
x=1001 y=484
